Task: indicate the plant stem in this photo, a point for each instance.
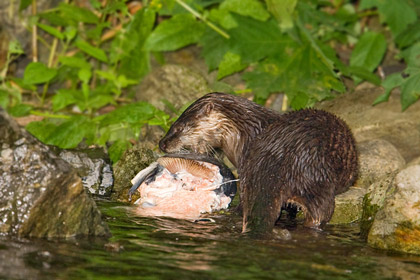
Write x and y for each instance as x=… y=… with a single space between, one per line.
x=47 y=115
x=197 y=15
x=34 y=35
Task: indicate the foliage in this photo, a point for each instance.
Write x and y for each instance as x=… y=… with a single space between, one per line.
x=278 y=46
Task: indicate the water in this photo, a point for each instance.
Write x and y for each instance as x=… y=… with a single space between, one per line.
x=147 y=248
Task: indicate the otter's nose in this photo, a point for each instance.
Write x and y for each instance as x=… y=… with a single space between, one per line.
x=162 y=146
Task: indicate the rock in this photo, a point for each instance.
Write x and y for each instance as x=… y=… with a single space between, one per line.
x=40 y=194
x=383 y=121
x=171 y=83
x=377 y=159
x=373 y=201
x=93 y=166
x=132 y=162
x=348 y=206
x=397 y=224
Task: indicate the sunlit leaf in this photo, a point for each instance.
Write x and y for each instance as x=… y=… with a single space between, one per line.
x=38 y=73
x=177 y=32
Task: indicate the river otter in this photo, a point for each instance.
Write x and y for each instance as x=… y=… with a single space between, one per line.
x=304 y=157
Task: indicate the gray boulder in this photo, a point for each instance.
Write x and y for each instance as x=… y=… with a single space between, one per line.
x=397 y=224
x=40 y=194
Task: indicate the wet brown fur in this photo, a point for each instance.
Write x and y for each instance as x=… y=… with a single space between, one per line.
x=305 y=157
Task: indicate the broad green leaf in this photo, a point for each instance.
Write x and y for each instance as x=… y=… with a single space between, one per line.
x=282 y=10
x=98 y=101
x=223 y=17
x=55 y=18
x=70 y=133
x=299 y=100
x=135 y=62
x=91 y=50
x=214 y=48
x=397 y=14
x=24 y=4
x=410 y=35
x=15 y=47
x=249 y=8
x=51 y=30
x=109 y=75
x=391 y=82
x=410 y=91
x=294 y=71
x=84 y=75
x=260 y=40
x=369 y=51
x=364 y=74
x=4 y=98
x=177 y=32
x=41 y=129
x=132 y=113
x=70 y=32
x=117 y=149
x=230 y=64
x=20 y=110
x=411 y=57
x=63 y=98
x=77 y=14
x=38 y=73
x=75 y=62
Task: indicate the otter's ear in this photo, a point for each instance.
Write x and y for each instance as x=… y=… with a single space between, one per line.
x=207 y=108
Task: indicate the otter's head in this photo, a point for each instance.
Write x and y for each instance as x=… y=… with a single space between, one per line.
x=197 y=130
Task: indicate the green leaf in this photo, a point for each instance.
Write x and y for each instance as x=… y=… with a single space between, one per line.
x=15 y=47
x=4 y=98
x=214 y=48
x=63 y=98
x=230 y=64
x=24 y=4
x=391 y=82
x=91 y=50
x=77 y=14
x=99 y=100
x=66 y=135
x=397 y=14
x=295 y=71
x=369 y=51
x=51 y=30
x=249 y=8
x=410 y=91
x=282 y=10
x=20 y=110
x=42 y=129
x=135 y=64
x=177 y=32
x=411 y=56
x=134 y=113
x=299 y=100
x=364 y=74
x=75 y=62
x=260 y=40
x=410 y=35
x=117 y=149
x=38 y=73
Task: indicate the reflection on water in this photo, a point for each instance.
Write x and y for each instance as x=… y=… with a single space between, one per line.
x=163 y=248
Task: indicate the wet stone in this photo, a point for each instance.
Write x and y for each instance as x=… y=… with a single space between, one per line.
x=40 y=194
x=93 y=166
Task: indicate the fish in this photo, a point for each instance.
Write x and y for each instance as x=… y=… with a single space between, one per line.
x=183 y=186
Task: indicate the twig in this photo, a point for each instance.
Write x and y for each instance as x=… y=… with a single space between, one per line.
x=197 y=15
